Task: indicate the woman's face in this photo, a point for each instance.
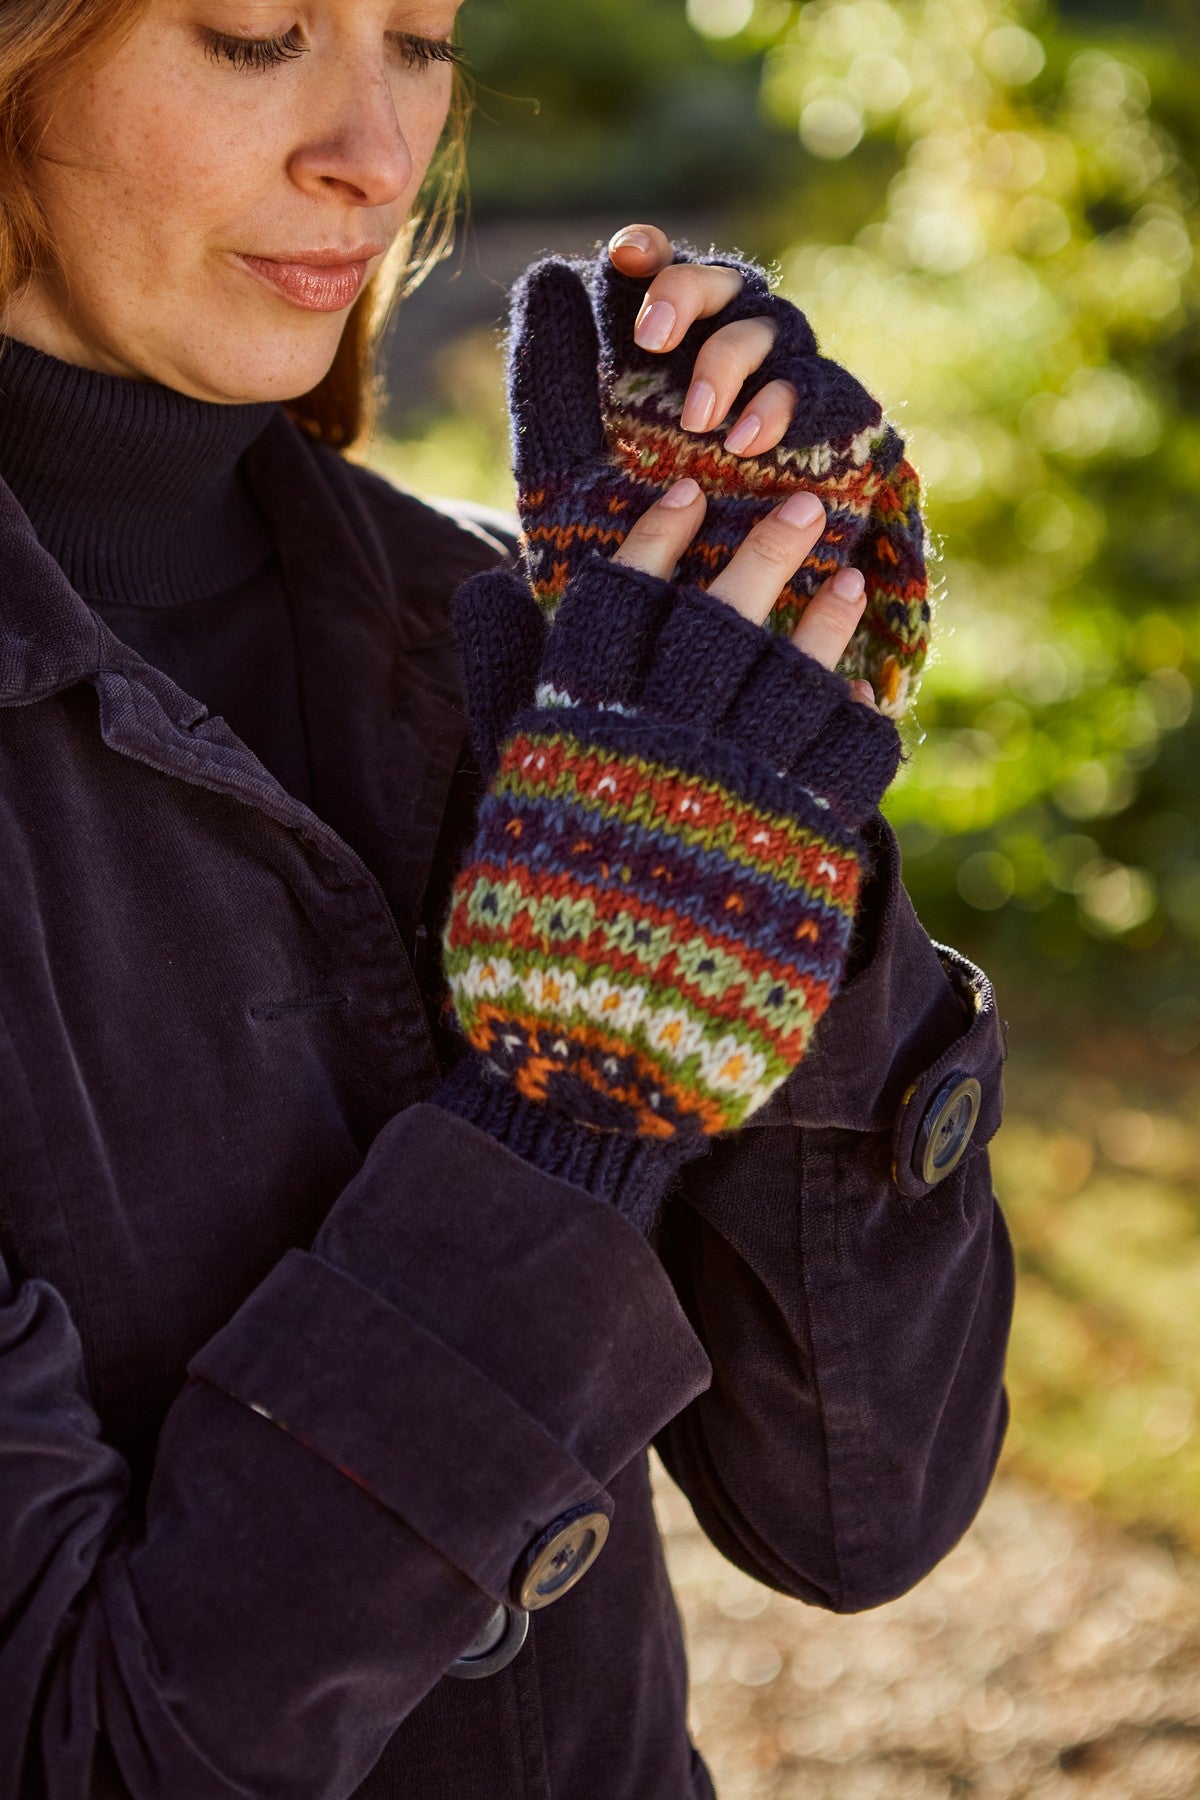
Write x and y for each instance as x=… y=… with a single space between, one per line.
x=220 y=184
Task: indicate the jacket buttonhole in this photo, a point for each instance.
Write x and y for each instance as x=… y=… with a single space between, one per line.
x=265 y=1011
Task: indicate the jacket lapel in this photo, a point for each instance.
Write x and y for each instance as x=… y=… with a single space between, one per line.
x=379 y=672
x=368 y=586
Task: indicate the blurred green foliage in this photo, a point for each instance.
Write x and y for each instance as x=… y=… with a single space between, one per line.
x=1098 y=1166
x=609 y=106
x=1022 y=292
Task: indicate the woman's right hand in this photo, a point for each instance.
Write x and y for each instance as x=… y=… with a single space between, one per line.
x=759 y=569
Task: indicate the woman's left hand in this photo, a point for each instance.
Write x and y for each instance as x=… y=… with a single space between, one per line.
x=678 y=295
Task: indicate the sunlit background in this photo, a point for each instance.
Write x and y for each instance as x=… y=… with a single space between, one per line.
x=989 y=210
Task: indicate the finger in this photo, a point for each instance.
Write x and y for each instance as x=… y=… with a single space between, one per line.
x=640 y=250
x=662 y=534
x=677 y=297
x=764 y=421
x=763 y=565
x=864 y=692
x=831 y=619
x=554 y=394
x=724 y=365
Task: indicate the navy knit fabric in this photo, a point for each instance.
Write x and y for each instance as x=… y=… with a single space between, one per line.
x=137 y=493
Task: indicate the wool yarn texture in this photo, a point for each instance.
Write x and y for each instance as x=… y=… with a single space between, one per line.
x=594 y=447
x=658 y=904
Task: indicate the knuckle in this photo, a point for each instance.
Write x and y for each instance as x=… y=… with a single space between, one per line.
x=722 y=282
x=673 y=284
x=660 y=525
x=759 y=333
x=737 y=348
x=776 y=544
x=652 y=528
x=781 y=396
x=644 y=535
x=839 y=608
x=724 y=358
x=752 y=339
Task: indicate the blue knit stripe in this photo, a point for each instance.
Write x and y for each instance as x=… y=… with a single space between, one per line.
x=698 y=881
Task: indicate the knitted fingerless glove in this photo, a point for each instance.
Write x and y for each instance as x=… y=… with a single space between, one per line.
x=658 y=904
x=586 y=472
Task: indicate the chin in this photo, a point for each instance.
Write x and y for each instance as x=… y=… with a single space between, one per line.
x=262 y=368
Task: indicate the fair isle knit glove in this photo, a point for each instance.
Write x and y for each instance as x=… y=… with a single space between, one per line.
x=586 y=471
x=658 y=904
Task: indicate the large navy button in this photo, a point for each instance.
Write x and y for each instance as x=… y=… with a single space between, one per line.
x=555 y=1561
x=946 y=1129
x=495 y=1646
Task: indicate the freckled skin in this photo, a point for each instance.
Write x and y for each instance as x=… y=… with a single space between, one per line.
x=158 y=164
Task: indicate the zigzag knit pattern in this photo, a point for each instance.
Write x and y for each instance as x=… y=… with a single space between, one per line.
x=578 y=492
x=657 y=908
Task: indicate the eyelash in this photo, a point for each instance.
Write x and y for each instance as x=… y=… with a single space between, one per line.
x=268 y=53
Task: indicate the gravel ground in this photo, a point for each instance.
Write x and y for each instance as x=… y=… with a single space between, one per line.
x=1047 y=1656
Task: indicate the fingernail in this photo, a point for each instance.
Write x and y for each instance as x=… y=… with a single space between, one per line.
x=655 y=323
x=629 y=240
x=683 y=493
x=698 y=407
x=802 y=509
x=848 y=584
x=743 y=433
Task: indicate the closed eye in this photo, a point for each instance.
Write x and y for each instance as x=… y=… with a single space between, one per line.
x=252 y=53
x=420 y=51
x=266 y=53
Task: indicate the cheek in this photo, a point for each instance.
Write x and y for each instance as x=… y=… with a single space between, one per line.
x=135 y=174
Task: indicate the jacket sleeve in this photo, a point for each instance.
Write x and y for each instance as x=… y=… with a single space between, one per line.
x=342 y=1488
x=856 y=1316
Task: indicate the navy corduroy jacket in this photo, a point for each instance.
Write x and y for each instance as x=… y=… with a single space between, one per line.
x=294 y=1364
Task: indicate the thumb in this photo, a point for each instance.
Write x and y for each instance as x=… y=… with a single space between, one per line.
x=553 y=374
x=500 y=631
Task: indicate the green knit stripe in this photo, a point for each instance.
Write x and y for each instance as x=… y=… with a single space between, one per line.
x=631 y=790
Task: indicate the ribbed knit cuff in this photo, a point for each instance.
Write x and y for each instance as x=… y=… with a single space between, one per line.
x=632 y=1173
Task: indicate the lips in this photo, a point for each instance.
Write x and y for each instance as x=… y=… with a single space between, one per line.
x=315 y=280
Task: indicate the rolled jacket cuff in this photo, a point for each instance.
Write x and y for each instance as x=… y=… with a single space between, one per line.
x=477 y=1345
x=872 y=1048
x=367 y=1389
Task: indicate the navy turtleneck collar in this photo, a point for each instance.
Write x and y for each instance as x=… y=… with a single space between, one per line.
x=132 y=487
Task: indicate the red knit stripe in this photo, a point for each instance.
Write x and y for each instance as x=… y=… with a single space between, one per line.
x=717 y=810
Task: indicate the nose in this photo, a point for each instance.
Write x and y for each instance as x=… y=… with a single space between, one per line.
x=357 y=143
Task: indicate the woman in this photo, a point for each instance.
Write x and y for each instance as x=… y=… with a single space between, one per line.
x=317 y=1378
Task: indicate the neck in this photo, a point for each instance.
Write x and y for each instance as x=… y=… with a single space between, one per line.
x=134 y=489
